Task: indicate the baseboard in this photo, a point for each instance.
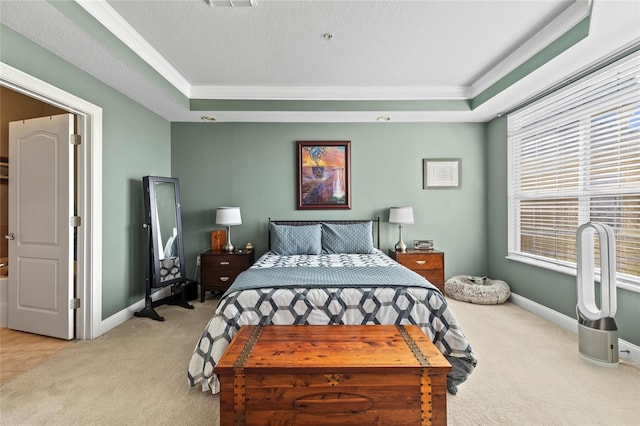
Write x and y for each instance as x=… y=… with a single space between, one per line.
x=119 y=317
x=627 y=350
x=4 y=297
x=3 y=314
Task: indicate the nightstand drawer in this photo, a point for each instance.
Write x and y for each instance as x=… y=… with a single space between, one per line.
x=429 y=264
x=434 y=276
x=419 y=261
x=219 y=270
x=229 y=262
x=219 y=279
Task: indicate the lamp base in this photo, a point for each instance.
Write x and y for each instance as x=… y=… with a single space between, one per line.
x=228 y=247
x=400 y=245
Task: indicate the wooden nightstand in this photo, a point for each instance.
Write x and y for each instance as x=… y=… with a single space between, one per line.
x=428 y=263
x=220 y=269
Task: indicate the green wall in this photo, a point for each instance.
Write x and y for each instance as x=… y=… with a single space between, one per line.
x=552 y=289
x=136 y=142
x=253 y=166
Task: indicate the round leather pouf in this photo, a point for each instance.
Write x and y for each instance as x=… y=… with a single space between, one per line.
x=480 y=290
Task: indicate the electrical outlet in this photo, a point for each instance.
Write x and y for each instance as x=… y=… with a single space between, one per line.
x=198 y=260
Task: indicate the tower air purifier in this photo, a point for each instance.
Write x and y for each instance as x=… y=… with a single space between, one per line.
x=597 y=330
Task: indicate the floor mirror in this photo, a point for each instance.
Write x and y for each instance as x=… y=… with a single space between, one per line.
x=164 y=252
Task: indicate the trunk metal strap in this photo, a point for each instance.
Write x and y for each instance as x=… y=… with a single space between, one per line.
x=426 y=403
x=239 y=392
x=413 y=346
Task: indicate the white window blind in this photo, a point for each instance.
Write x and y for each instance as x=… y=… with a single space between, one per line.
x=574 y=157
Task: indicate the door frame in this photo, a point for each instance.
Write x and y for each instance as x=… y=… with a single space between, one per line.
x=89 y=208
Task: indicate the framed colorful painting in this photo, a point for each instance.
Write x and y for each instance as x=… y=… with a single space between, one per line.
x=324 y=175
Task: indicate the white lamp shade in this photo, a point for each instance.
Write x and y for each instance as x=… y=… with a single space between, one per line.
x=401 y=215
x=228 y=216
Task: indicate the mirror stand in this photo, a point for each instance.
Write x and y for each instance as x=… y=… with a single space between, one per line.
x=164 y=260
x=178 y=294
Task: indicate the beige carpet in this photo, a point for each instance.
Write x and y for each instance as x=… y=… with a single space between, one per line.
x=529 y=374
x=136 y=374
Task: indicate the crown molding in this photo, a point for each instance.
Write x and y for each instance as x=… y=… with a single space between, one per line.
x=560 y=25
x=112 y=21
x=336 y=117
x=333 y=93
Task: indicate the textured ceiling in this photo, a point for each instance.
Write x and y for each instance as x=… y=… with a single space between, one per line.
x=375 y=43
x=164 y=53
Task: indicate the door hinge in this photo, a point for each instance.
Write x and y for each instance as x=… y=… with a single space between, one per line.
x=76 y=221
x=75 y=139
x=74 y=303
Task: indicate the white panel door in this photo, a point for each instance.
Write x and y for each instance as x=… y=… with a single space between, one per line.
x=40 y=235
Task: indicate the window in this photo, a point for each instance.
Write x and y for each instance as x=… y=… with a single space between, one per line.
x=574 y=157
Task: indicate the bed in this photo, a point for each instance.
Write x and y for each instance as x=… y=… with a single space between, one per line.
x=329 y=272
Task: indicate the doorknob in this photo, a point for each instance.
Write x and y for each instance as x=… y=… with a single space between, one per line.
x=11 y=236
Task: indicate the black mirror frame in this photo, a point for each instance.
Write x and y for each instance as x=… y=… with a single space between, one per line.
x=152 y=262
x=152 y=220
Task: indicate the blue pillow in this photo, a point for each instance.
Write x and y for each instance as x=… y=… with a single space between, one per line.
x=288 y=240
x=347 y=238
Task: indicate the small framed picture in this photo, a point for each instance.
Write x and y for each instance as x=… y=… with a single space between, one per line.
x=442 y=173
x=423 y=244
x=218 y=238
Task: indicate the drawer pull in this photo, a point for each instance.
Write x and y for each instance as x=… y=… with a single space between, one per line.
x=225 y=279
x=421 y=262
x=225 y=263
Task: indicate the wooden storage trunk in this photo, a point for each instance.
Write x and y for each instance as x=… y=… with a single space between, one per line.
x=333 y=374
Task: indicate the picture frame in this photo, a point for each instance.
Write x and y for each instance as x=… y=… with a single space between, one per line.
x=218 y=239
x=423 y=244
x=442 y=173
x=324 y=175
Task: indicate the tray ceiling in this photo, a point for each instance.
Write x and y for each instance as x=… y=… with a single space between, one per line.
x=324 y=60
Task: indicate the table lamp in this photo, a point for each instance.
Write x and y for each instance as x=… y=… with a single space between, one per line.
x=401 y=216
x=228 y=216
